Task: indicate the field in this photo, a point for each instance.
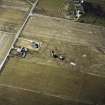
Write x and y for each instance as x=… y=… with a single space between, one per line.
x=71 y=43
x=41 y=79
x=10 y=20
x=18 y=4
x=55 y=8
x=43 y=84
x=51 y=8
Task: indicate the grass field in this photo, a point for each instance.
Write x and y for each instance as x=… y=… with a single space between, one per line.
x=34 y=85
x=51 y=7
x=42 y=84
x=10 y=21
x=17 y=4
x=10 y=15
x=56 y=8
x=41 y=79
x=11 y=18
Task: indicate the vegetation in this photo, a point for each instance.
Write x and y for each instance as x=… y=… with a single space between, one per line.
x=94 y=13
